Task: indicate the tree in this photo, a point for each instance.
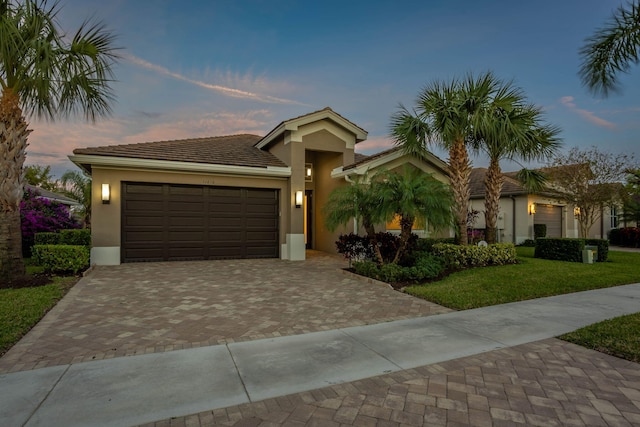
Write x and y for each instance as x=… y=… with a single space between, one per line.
x=358 y=201
x=509 y=128
x=46 y=74
x=631 y=207
x=78 y=186
x=611 y=50
x=588 y=179
x=40 y=176
x=444 y=115
x=413 y=195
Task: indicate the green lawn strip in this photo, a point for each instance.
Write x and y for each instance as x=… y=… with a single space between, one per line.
x=531 y=278
x=618 y=337
x=21 y=309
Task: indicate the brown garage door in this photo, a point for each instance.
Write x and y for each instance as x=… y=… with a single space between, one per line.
x=552 y=217
x=167 y=222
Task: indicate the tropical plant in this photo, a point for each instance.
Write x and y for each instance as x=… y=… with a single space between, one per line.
x=611 y=50
x=509 y=128
x=47 y=74
x=631 y=208
x=78 y=186
x=38 y=215
x=413 y=195
x=444 y=115
x=40 y=176
x=358 y=201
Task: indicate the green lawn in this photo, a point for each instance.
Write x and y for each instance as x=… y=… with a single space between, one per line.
x=531 y=278
x=618 y=337
x=21 y=309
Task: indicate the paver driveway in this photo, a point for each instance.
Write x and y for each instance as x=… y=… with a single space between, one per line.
x=154 y=307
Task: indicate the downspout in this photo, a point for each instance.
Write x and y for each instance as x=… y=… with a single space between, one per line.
x=513 y=219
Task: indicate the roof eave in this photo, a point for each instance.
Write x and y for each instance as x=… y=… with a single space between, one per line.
x=82 y=160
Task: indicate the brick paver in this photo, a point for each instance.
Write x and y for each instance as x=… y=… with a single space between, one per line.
x=547 y=383
x=154 y=307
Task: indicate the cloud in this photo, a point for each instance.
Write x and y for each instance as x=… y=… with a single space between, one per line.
x=374 y=145
x=224 y=90
x=567 y=101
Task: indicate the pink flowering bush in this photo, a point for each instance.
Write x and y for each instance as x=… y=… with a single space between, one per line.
x=42 y=215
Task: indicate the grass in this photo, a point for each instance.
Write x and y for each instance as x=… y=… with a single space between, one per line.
x=618 y=337
x=21 y=309
x=531 y=278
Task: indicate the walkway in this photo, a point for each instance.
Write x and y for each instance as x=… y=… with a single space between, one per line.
x=321 y=375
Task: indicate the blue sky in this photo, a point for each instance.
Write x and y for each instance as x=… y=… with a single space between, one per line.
x=206 y=68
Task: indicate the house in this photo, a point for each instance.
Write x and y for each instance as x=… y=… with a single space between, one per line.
x=237 y=196
x=519 y=211
x=54 y=197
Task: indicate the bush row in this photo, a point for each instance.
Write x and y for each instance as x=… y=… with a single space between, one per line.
x=61 y=258
x=568 y=249
x=425 y=266
x=627 y=236
x=81 y=237
x=458 y=257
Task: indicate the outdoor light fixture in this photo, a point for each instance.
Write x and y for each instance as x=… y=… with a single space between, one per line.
x=532 y=209
x=308 y=172
x=299 y=196
x=576 y=211
x=106 y=194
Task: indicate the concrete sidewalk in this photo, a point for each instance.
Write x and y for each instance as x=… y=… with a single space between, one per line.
x=140 y=389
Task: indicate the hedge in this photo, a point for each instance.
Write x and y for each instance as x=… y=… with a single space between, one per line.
x=76 y=237
x=569 y=249
x=457 y=257
x=47 y=238
x=426 y=266
x=539 y=231
x=61 y=258
x=603 y=248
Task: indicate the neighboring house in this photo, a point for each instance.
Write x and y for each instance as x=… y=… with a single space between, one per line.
x=519 y=211
x=237 y=196
x=55 y=197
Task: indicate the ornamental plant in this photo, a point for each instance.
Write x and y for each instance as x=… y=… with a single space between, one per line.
x=42 y=215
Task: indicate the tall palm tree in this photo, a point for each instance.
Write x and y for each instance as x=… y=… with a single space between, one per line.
x=444 y=115
x=358 y=200
x=509 y=128
x=414 y=196
x=46 y=74
x=78 y=186
x=611 y=50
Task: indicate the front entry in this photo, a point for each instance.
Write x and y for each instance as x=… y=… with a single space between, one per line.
x=308 y=219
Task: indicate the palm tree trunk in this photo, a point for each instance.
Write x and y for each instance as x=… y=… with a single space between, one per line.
x=371 y=232
x=406 y=224
x=493 y=184
x=13 y=144
x=460 y=175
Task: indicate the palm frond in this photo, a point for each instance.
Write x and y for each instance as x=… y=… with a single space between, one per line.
x=534 y=181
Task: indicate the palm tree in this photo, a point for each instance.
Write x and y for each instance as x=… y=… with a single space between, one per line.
x=611 y=50
x=511 y=129
x=42 y=73
x=414 y=196
x=358 y=201
x=78 y=186
x=444 y=115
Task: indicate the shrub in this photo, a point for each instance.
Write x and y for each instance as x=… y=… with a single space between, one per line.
x=46 y=238
x=61 y=258
x=559 y=249
x=459 y=257
x=426 y=266
x=530 y=243
x=603 y=248
x=358 y=248
x=630 y=236
x=76 y=237
x=615 y=236
x=539 y=231
x=42 y=215
x=426 y=245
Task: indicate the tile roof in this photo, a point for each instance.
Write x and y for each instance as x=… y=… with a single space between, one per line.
x=233 y=150
x=511 y=185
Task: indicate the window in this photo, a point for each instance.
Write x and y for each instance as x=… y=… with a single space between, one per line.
x=614 y=217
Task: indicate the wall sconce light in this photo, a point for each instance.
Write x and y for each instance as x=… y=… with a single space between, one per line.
x=576 y=211
x=532 y=209
x=299 y=198
x=308 y=172
x=106 y=194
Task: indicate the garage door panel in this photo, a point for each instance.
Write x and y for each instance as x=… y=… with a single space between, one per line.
x=551 y=216
x=171 y=222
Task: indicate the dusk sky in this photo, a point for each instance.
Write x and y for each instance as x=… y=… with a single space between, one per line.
x=210 y=68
